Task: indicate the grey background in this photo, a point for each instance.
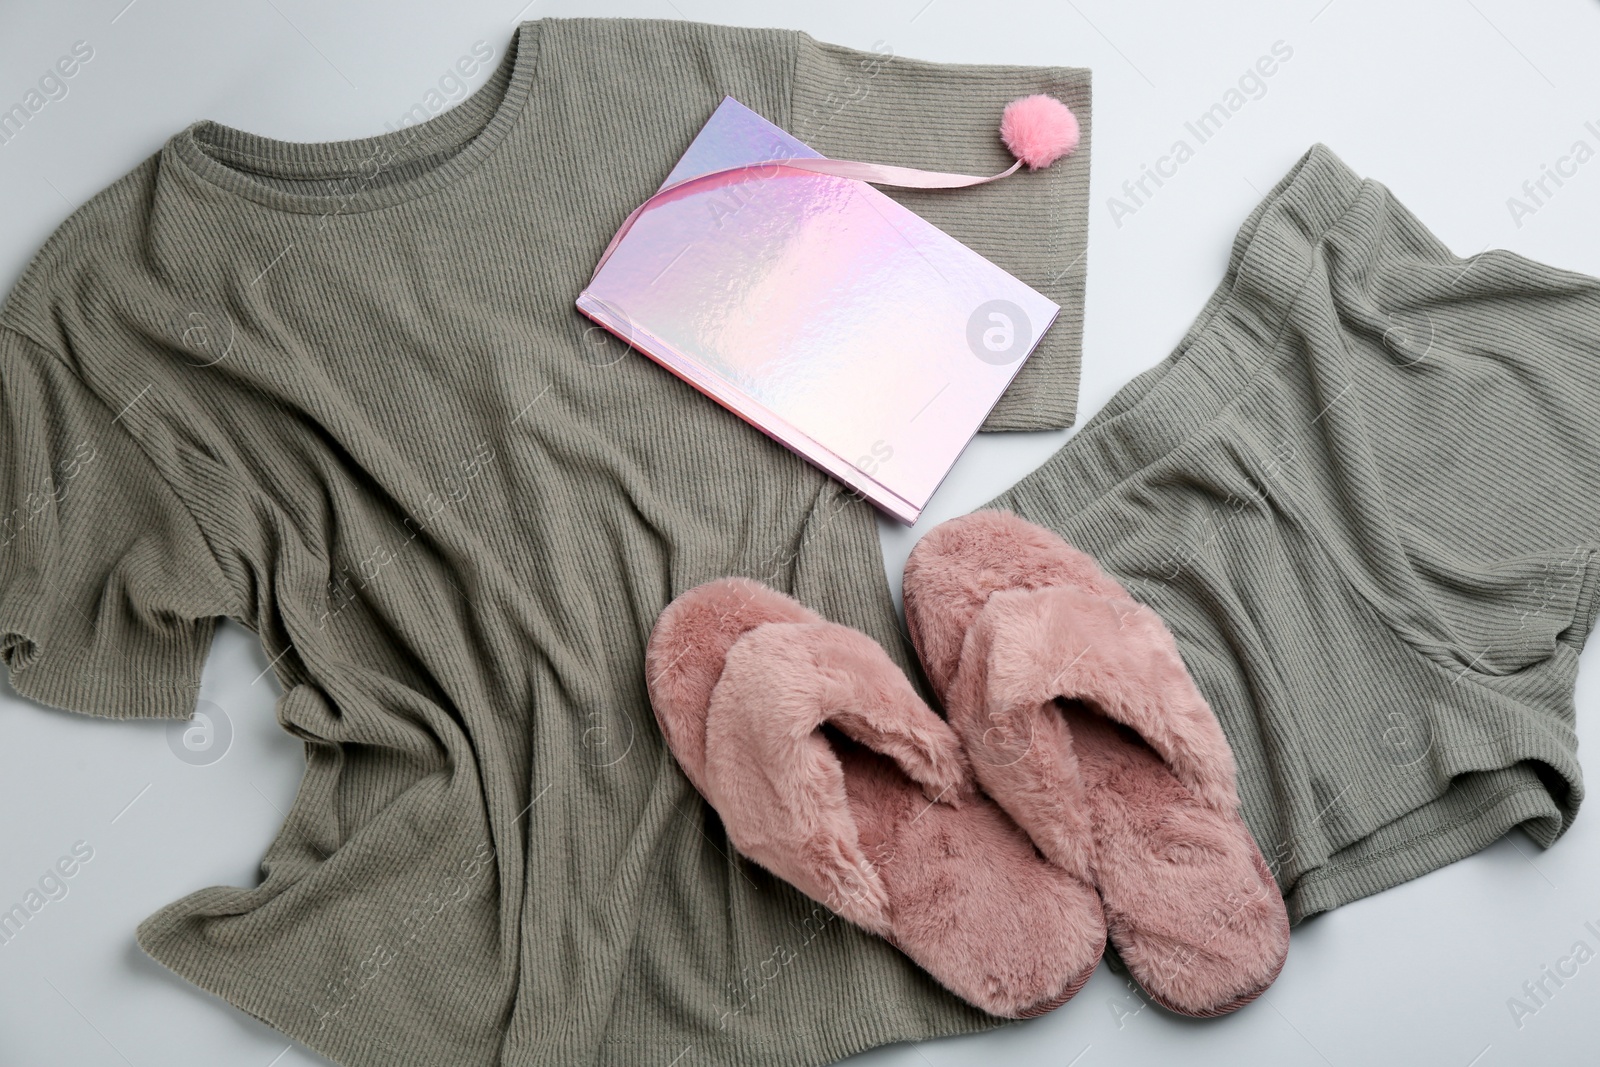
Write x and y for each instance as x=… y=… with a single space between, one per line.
x=1453 y=103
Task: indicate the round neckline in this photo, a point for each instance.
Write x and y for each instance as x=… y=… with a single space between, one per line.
x=250 y=165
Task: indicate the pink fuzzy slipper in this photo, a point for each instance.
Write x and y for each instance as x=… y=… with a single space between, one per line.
x=829 y=771
x=1081 y=720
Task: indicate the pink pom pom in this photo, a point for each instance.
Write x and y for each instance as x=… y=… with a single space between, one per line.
x=1039 y=130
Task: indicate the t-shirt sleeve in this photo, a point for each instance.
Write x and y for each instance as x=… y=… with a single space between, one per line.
x=109 y=591
x=874 y=105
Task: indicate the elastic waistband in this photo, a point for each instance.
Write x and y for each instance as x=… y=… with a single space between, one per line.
x=1274 y=257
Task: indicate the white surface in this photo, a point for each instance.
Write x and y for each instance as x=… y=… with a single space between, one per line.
x=1453 y=104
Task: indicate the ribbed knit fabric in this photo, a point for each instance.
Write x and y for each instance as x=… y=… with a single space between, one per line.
x=339 y=393
x=1362 y=493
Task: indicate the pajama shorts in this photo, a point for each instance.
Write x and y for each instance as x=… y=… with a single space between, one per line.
x=1364 y=493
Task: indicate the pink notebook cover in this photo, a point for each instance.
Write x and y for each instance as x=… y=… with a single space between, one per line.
x=819 y=310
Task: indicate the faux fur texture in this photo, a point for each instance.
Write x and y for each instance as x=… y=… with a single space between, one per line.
x=958 y=564
x=828 y=770
x=688 y=645
x=1192 y=908
x=1039 y=130
x=1029 y=646
x=778 y=781
x=1082 y=722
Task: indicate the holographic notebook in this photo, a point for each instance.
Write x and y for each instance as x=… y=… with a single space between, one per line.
x=836 y=321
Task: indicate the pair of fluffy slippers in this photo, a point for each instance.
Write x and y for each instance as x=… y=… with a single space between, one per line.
x=1079 y=789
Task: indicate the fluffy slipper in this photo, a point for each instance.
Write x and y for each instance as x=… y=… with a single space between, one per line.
x=1081 y=720
x=828 y=770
